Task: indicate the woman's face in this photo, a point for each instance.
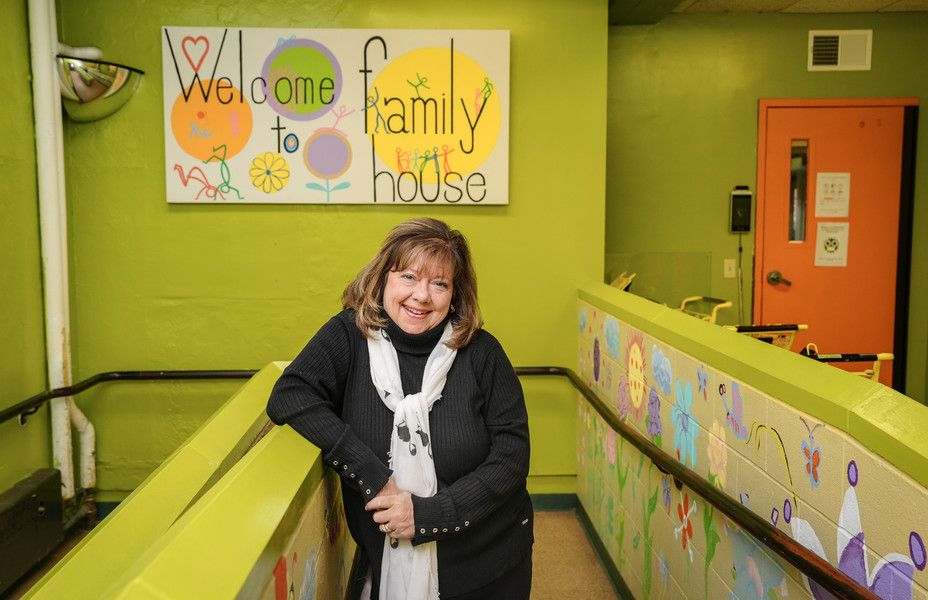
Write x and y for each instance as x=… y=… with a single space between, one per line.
x=418 y=297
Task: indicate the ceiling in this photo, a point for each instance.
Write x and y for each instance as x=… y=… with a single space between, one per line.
x=647 y=12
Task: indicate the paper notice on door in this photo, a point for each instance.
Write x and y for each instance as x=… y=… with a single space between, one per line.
x=832 y=195
x=831 y=244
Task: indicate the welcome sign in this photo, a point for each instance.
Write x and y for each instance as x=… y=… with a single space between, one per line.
x=336 y=116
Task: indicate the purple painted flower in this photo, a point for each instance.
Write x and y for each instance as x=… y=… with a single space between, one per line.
x=654 y=413
x=890 y=579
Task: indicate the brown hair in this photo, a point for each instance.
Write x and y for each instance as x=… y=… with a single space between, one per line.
x=426 y=239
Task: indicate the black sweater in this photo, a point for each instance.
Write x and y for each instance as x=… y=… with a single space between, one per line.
x=481 y=515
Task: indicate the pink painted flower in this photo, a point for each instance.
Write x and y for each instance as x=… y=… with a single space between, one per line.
x=718 y=454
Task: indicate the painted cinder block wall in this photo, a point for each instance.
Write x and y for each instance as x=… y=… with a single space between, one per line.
x=22 y=332
x=158 y=286
x=819 y=453
x=683 y=101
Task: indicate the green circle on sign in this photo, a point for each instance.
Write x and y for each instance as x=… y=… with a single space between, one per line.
x=302 y=79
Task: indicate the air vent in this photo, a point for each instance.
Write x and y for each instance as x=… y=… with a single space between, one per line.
x=847 y=50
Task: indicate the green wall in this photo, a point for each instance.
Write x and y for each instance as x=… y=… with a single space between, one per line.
x=682 y=131
x=158 y=286
x=22 y=333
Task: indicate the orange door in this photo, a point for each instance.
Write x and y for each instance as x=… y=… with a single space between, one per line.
x=828 y=225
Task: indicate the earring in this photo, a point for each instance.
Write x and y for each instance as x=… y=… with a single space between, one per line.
x=452 y=308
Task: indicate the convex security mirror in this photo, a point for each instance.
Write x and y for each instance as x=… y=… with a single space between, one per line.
x=93 y=89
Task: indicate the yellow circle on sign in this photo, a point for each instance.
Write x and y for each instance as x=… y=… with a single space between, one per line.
x=431 y=112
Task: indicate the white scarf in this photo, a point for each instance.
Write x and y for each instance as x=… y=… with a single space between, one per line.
x=407 y=571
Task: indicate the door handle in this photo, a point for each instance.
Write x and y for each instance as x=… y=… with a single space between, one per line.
x=774 y=277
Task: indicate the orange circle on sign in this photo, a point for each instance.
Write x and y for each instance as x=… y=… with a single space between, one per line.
x=202 y=126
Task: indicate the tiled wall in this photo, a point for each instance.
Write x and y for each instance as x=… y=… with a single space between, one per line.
x=808 y=478
x=317 y=560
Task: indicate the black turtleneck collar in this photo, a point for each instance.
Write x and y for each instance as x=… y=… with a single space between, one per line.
x=414 y=343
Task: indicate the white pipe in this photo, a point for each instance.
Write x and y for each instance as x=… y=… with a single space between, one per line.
x=87 y=436
x=43 y=33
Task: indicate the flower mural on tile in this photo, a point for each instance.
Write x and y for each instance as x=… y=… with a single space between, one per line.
x=663 y=374
x=663 y=571
x=611 y=333
x=653 y=420
x=717 y=452
x=308 y=590
x=735 y=414
x=684 y=532
x=668 y=499
x=622 y=401
x=712 y=540
x=755 y=568
x=609 y=445
x=686 y=428
x=582 y=320
x=702 y=380
x=649 y=505
x=812 y=454
x=635 y=363
x=890 y=579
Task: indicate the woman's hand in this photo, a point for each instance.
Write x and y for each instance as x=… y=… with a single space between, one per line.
x=393 y=512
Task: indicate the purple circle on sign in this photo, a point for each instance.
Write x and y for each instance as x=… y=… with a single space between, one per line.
x=327 y=154
x=336 y=69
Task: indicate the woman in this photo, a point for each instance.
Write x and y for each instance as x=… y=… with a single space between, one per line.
x=421 y=414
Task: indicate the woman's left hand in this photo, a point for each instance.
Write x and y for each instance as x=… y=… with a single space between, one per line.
x=393 y=513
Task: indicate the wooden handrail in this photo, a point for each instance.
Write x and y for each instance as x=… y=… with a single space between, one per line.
x=809 y=563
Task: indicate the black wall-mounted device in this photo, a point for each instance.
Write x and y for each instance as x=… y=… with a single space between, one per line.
x=741 y=201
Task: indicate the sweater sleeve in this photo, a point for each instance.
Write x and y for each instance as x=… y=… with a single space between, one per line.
x=465 y=503
x=309 y=395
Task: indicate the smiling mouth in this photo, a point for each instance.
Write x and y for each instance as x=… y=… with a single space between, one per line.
x=416 y=313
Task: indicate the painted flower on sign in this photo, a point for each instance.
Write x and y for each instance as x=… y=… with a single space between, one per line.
x=269 y=172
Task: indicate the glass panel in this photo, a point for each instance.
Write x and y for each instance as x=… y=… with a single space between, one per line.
x=799 y=175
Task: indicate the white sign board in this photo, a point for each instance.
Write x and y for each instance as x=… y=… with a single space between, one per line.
x=831 y=244
x=832 y=195
x=338 y=116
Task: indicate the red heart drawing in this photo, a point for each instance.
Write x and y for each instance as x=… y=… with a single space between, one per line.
x=196 y=44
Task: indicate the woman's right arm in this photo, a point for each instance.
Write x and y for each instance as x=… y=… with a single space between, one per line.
x=308 y=396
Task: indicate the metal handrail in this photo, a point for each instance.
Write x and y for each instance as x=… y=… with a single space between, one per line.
x=809 y=563
x=28 y=407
